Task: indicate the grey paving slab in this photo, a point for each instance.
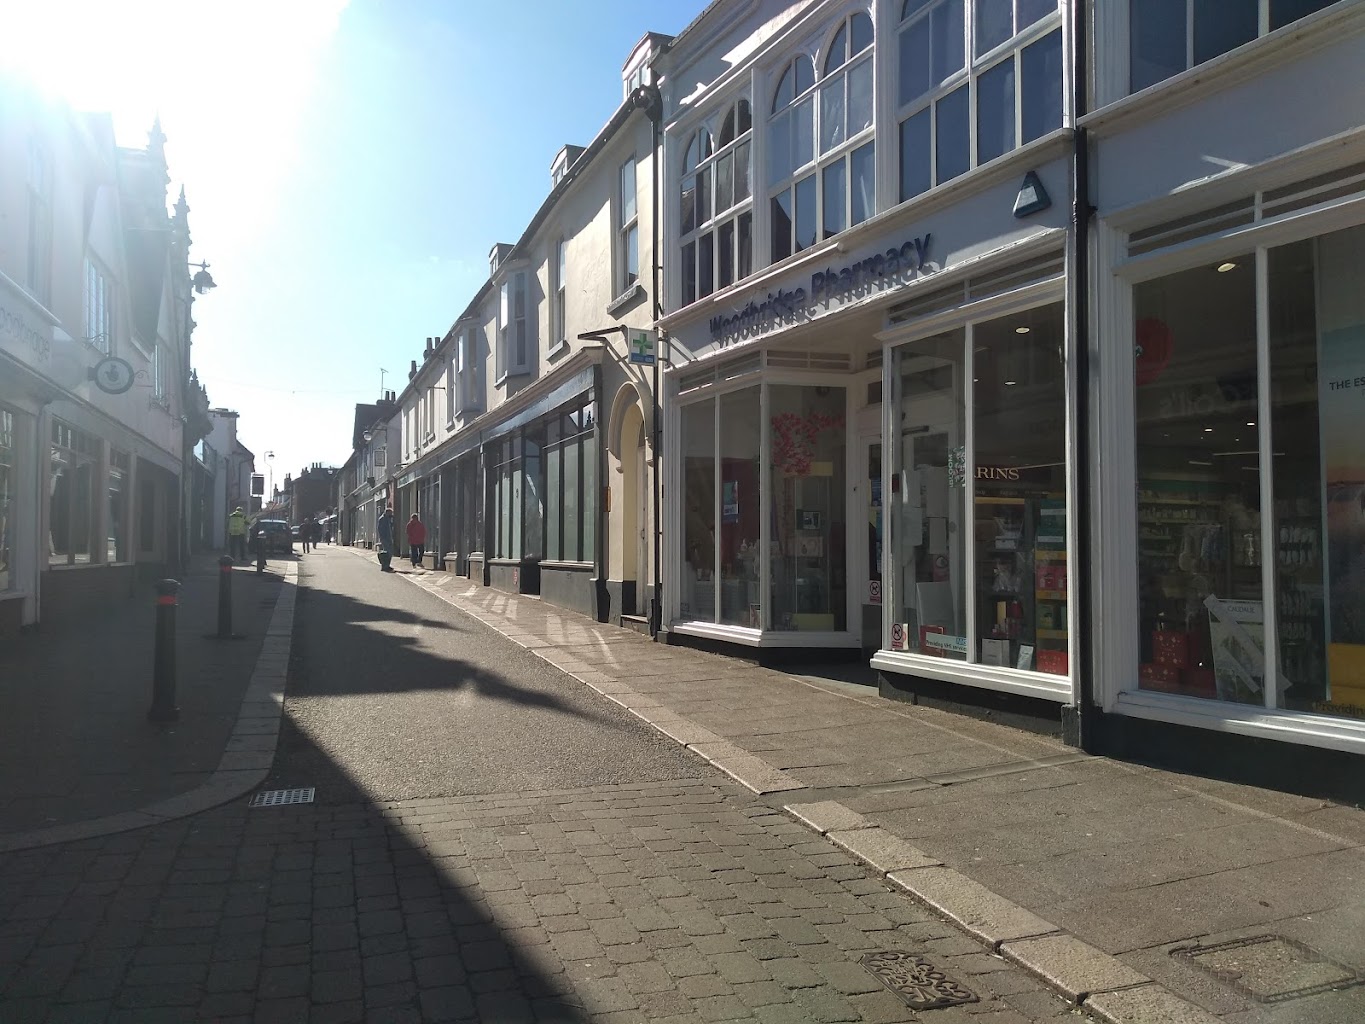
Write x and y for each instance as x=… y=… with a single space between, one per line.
x=1071 y=966
x=1148 y=1004
x=982 y=913
x=882 y=850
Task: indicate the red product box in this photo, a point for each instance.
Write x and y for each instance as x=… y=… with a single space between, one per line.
x=1153 y=676
x=1171 y=647
x=1054 y=662
x=1049 y=576
x=1201 y=682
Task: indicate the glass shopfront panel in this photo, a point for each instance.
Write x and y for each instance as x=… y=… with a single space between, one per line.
x=740 y=440
x=9 y=497
x=808 y=488
x=979 y=558
x=72 y=509
x=698 y=598
x=1205 y=614
x=117 y=486
x=928 y=575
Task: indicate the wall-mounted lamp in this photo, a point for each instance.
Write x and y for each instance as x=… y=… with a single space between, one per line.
x=203 y=280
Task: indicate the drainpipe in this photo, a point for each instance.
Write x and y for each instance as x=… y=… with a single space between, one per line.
x=1079 y=725
x=648 y=99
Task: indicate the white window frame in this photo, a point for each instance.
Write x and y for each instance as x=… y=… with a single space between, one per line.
x=452 y=391
x=514 y=341
x=819 y=165
x=701 y=161
x=38 y=273
x=469 y=396
x=627 y=226
x=99 y=307
x=559 y=308
x=158 y=373
x=967 y=76
x=429 y=419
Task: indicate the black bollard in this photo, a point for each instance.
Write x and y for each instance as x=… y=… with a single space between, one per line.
x=260 y=552
x=225 y=598
x=163 y=678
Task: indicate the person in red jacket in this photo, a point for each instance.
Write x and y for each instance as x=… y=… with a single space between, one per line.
x=417 y=539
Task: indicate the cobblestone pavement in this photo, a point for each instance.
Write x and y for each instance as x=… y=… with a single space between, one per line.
x=668 y=901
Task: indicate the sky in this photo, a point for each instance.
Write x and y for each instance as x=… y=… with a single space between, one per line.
x=348 y=166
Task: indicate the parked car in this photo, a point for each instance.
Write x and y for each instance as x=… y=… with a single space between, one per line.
x=277 y=536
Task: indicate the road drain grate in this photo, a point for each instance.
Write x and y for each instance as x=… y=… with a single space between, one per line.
x=280 y=797
x=1269 y=968
x=920 y=985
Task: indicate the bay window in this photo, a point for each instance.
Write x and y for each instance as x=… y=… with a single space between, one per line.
x=716 y=206
x=468 y=362
x=821 y=154
x=976 y=80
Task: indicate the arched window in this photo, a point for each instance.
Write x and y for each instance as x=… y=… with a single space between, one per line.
x=825 y=122
x=715 y=206
x=1007 y=52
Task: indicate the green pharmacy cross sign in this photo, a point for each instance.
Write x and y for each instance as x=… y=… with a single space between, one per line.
x=642 y=345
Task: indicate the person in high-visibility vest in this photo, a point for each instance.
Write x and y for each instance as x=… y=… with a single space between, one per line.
x=237 y=535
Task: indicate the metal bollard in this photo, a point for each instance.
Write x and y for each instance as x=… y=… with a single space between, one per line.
x=260 y=552
x=163 y=676
x=224 y=598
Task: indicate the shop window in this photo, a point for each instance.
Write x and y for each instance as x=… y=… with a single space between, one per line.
x=1198 y=477
x=999 y=598
x=929 y=580
x=72 y=507
x=119 y=507
x=1019 y=492
x=9 y=507
x=697 y=600
x=1014 y=75
x=740 y=439
x=1165 y=37
x=807 y=485
x=533 y=488
x=716 y=205
x=571 y=485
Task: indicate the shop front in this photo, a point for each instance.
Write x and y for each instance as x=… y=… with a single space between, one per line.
x=1248 y=582
x=870 y=451
x=1230 y=581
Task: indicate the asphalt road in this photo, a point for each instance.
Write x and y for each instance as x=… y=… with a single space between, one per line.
x=394 y=695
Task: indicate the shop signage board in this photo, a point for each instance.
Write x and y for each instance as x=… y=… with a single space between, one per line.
x=19 y=331
x=643 y=346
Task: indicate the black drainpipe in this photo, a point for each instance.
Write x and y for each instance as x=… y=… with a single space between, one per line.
x=1079 y=722
x=652 y=103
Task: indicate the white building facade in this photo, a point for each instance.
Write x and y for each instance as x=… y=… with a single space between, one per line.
x=902 y=410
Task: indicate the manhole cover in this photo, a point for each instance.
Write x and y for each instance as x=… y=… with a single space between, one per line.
x=280 y=797
x=1269 y=968
x=920 y=984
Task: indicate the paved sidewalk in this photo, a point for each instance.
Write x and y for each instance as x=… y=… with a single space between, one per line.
x=1160 y=896
x=77 y=754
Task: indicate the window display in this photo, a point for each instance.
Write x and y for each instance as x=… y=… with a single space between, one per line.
x=809 y=589
x=740 y=437
x=1003 y=600
x=698 y=597
x=1202 y=543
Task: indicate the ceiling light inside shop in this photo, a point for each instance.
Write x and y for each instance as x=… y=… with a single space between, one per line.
x=1223 y=268
x=1010 y=383
x=1208 y=430
x=1196 y=462
x=1022 y=330
x=1251 y=423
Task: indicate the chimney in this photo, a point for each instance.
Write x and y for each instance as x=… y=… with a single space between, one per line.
x=431 y=345
x=412 y=370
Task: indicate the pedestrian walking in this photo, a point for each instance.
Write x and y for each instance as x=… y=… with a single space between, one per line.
x=417 y=539
x=237 y=527
x=384 y=533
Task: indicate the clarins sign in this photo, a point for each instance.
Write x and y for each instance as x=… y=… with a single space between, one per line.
x=828 y=286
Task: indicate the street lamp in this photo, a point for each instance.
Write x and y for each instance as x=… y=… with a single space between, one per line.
x=270 y=477
x=203 y=280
